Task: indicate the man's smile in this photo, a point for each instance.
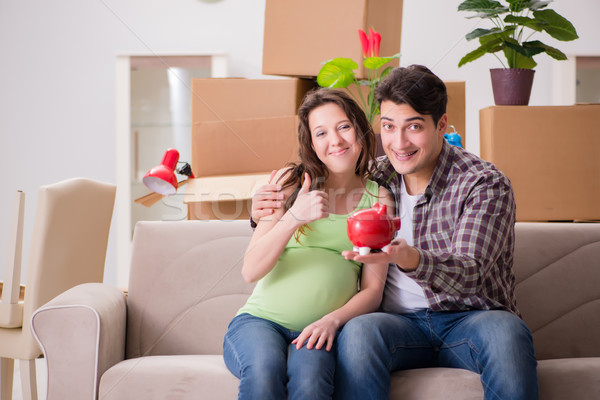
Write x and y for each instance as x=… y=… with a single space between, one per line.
x=404 y=156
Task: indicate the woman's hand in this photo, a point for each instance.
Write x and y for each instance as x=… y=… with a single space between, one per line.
x=309 y=205
x=318 y=334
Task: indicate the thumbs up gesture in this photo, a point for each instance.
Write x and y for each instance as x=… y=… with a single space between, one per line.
x=310 y=205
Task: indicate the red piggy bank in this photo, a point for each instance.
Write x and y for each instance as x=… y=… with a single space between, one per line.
x=371 y=228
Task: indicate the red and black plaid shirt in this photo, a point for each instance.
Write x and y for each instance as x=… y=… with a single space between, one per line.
x=464 y=232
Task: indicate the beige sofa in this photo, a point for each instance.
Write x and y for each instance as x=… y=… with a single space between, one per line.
x=164 y=341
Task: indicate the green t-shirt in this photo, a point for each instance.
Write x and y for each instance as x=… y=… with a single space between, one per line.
x=311 y=278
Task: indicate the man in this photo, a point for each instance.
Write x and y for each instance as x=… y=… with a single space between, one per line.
x=449 y=296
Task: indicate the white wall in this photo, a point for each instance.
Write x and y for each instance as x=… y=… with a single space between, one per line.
x=57 y=79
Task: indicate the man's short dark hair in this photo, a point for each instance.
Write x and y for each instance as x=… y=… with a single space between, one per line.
x=416 y=86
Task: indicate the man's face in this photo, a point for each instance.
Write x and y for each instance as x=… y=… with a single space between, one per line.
x=412 y=142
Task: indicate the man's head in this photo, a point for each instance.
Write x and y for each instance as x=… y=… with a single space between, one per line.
x=413 y=122
x=416 y=86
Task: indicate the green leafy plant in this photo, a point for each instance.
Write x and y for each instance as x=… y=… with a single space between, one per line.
x=515 y=21
x=339 y=72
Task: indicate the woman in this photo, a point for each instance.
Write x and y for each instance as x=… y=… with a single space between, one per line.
x=280 y=343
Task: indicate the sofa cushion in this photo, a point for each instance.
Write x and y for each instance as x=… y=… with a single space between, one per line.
x=185 y=286
x=169 y=377
x=558 y=275
x=436 y=384
x=569 y=378
x=202 y=376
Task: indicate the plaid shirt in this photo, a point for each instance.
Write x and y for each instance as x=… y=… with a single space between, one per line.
x=464 y=232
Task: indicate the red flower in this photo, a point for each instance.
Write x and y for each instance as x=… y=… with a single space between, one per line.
x=371 y=41
x=370 y=44
x=376 y=42
x=364 y=42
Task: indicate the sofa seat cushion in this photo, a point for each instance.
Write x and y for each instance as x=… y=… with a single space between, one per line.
x=569 y=378
x=436 y=384
x=185 y=377
x=559 y=379
x=169 y=377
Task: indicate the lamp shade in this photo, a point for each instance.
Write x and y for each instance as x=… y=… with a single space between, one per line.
x=161 y=179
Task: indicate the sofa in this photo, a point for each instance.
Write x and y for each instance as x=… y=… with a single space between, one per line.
x=163 y=338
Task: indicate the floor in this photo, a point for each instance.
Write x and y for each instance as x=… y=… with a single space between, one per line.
x=40 y=365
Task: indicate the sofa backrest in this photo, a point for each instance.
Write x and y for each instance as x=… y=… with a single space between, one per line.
x=185 y=285
x=557 y=270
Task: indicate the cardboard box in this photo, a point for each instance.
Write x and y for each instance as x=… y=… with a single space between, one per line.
x=244 y=125
x=456 y=109
x=302 y=34
x=225 y=99
x=550 y=154
x=222 y=197
x=243 y=146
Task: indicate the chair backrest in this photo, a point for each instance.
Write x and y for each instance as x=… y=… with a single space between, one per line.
x=185 y=285
x=557 y=270
x=11 y=310
x=69 y=241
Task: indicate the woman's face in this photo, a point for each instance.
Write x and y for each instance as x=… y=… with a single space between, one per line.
x=334 y=138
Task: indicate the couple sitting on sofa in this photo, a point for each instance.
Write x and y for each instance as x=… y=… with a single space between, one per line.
x=445 y=284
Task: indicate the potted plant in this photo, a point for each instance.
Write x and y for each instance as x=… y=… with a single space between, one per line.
x=513 y=24
x=339 y=73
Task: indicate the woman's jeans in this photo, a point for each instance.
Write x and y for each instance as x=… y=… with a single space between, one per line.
x=495 y=344
x=259 y=352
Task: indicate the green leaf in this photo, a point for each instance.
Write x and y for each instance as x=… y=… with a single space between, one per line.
x=472 y=56
x=377 y=62
x=551 y=51
x=528 y=51
x=497 y=35
x=336 y=74
x=489 y=42
x=343 y=63
x=523 y=21
x=483 y=8
x=385 y=73
x=538 y=5
x=480 y=32
x=518 y=60
x=556 y=25
x=517 y=6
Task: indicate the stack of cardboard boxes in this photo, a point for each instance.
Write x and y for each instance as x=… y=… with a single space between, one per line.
x=242 y=128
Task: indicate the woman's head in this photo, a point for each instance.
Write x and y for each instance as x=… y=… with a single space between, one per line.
x=365 y=139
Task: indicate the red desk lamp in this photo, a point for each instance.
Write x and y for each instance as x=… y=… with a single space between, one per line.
x=162 y=180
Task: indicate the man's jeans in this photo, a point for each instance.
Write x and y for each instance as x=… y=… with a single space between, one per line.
x=495 y=344
x=260 y=353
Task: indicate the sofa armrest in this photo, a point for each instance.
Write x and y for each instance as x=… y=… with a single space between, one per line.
x=82 y=334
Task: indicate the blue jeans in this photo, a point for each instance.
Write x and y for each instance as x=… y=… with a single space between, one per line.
x=496 y=344
x=259 y=352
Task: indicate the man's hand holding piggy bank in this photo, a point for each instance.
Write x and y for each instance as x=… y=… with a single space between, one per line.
x=371 y=228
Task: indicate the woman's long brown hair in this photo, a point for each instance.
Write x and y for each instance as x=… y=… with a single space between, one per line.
x=309 y=162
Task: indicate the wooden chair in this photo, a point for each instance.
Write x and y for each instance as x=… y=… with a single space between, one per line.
x=68 y=247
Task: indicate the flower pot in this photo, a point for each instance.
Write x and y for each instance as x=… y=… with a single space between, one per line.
x=511 y=86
